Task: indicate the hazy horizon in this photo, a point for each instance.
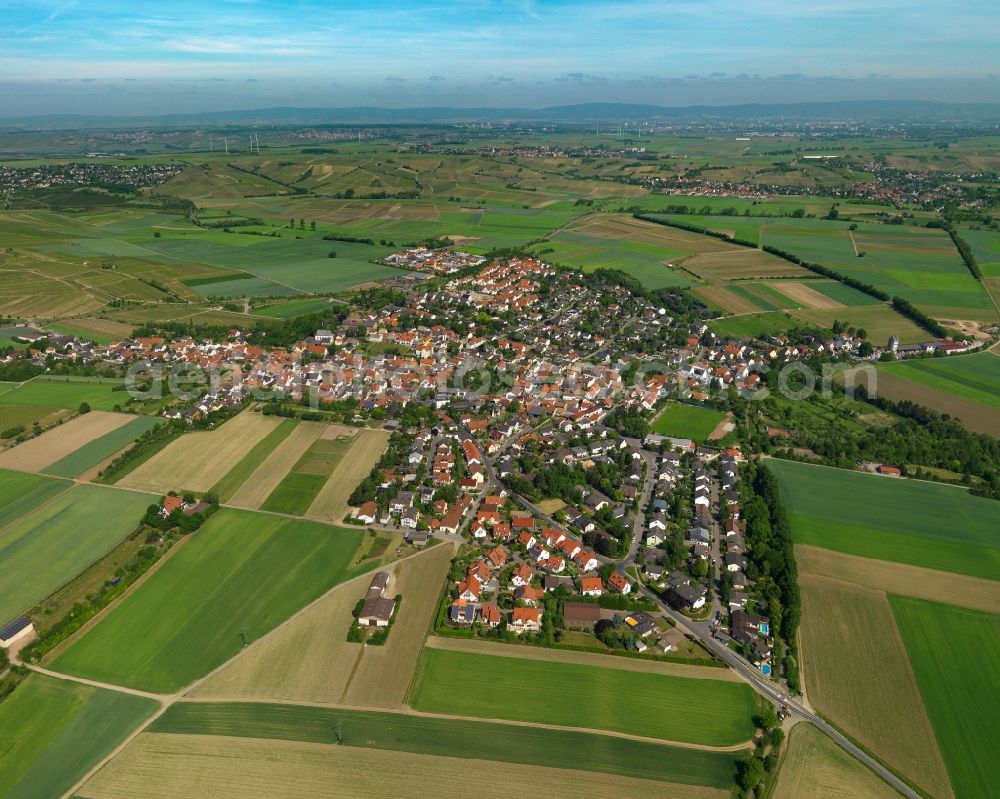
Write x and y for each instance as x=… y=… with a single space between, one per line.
x=105 y=57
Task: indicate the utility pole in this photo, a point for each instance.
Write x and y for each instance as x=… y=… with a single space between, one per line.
x=338 y=731
x=243 y=635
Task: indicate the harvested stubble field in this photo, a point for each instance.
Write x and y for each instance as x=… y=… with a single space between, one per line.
x=43 y=549
x=298 y=487
x=276 y=465
x=53 y=731
x=815 y=767
x=242 y=471
x=650 y=705
x=524 y=745
x=966 y=386
x=384 y=674
x=482 y=647
x=309 y=659
x=955 y=654
x=101 y=448
x=857 y=673
x=331 y=501
x=197 y=461
x=933 y=585
x=58 y=442
x=163 y=766
x=805 y=295
x=241 y=571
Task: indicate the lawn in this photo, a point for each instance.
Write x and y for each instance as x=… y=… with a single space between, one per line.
x=101 y=448
x=955 y=653
x=432 y=736
x=242 y=571
x=21 y=492
x=654 y=705
x=246 y=466
x=43 y=549
x=54 y=392
x=687 y=421
x=908 y=521
x=753 y=325
x=53 y=731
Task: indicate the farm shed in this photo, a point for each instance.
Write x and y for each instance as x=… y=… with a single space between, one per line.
x=15 y=631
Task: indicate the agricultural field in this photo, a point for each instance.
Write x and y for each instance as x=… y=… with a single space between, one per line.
x=383 y=676
x=687 y=421
x=67 y=392
x=650 y=705
x=44 y=548
x=899 y=578
x=404 y=732
x=306 y=476
x=197 y=461
x=293 y=308
x=21 y=492
x=647 y=263
x=330 y=503
x=248 y=466
x=102 y=448
x=15 y=419
x=63 y=441
x=161 y=766
x=905 y=521
x=985 y=246
x=857 y=673
x=309 y=659
x=815 y=767
x=973 y=381
x=480 y=646
x=53 y=731
x=955 y=654
x=241 y=573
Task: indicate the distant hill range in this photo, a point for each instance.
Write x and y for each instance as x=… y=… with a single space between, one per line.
x=586 y=113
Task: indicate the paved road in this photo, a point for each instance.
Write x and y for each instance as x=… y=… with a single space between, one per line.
x=775 y=693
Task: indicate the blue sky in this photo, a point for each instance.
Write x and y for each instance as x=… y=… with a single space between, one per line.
x=141 y=57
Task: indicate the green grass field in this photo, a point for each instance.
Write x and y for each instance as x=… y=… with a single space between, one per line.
x=241 y=571
x=687 y=421
x=21 y=492
x=297 y=490
x=955 y=654
x=974 y=377
x=431 y=736
x=654 y=705
x=646 y=262
x=752 y=325
x=94 y=452
x=293 y=308
x=53 y=731
x=985 y=245
x=924 y=524
x=238 y=475
x=43 y=549
x=54 y=392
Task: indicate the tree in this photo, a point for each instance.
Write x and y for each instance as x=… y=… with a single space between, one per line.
x=331 y=254
x=750 y=773
x=84 y=407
